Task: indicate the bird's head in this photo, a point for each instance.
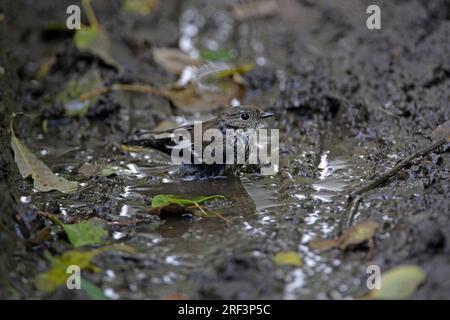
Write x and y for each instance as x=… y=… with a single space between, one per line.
x=243 y=117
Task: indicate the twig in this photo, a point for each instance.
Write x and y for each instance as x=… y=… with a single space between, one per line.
x=355 y=198
x=352 y=209
x=142 y=88
x=401 y=165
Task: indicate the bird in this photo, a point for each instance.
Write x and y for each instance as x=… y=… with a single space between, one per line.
x=237 y=119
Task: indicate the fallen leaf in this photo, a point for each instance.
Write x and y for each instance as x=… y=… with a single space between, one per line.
x=358 y=234
x=57 y=275
x=164 y=199
x=217 y=55
x=192 y=99
x=398 y=283
x=85 y=233
x=166 y=125
x=287 y=258
x=173 y=60
x=354 y=235
x=92 y=291
x=236 y=71
x=142 y=7
x=43 y=178
x=95 y=40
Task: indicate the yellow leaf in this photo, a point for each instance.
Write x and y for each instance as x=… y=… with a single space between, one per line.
x=287 y=258
x=398 y=283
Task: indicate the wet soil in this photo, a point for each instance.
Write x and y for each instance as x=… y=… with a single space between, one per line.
x=350 y=104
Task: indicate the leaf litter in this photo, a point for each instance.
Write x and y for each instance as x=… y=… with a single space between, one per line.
x=29 y=165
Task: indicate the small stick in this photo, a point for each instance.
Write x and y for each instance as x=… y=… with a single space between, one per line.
x=401 y=165
x=355 y=198
x=142 y=88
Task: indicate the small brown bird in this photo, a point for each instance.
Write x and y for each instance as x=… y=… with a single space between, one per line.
x=239 y=119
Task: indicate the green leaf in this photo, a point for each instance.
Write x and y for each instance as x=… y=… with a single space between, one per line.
x=164 y=199
x=217 y=55
x=398 y=283
x=85 y=233
x=287 y=258
x=57 y=275
x=142 y=7
x=92 y=291
x=86 y=37
x=43 y=178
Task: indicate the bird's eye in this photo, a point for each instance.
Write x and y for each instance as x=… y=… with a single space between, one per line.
x=245 y=116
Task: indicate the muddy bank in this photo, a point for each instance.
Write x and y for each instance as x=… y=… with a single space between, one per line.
x=350 y=102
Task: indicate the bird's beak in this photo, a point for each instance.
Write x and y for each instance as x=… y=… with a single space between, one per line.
x=267 y=115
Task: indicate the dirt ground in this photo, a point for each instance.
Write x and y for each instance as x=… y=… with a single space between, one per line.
x=350 y=104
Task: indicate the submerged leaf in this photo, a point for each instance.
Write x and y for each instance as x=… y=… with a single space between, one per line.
x=164 y=199
x=398 y=283
x=287 y=258
x=43 y=178
x=85 y=233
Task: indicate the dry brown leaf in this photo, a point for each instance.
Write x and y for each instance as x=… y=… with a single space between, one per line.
x=191 y=99
x=358 y=234
x=173 y=60
x=354 y=235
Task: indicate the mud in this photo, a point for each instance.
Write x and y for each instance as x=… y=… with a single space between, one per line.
x=350 y=103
